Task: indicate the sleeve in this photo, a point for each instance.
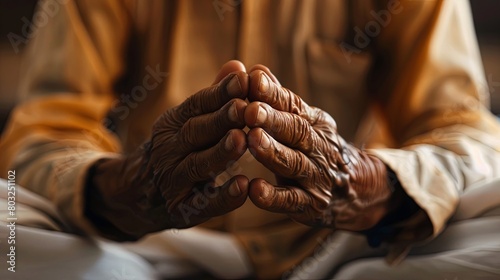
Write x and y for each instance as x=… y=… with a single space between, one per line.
x=56 y=133
x=429 y=84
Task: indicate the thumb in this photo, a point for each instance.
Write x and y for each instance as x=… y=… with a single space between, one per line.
x=227 y=68
x=218 y=201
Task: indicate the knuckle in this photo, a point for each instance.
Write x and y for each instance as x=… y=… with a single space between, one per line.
x=290 y=201
x=167 y=123
x=214 y=96
x=296 y=104
x=188 y=108
x=284 y=159
x=194 y=168
x=276 y=121
x=276 y=98
x=321 y=116
x=303 y=133
x=186 y=136
x=321 y=201
x=301 y=168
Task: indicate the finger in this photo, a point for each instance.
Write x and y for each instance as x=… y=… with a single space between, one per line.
x=263 y=89
x=228 y=68
x=207 y=164
x=216 y=201
x=210 y=99
x=288 y=129
x=266 y=70
x=289 y=200
x=206 y=130
x=278 y=158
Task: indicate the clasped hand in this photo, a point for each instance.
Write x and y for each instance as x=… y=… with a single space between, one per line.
x=322 y=180
x=170 y=181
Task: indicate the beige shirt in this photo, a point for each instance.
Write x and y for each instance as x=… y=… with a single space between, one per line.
x=403 y=78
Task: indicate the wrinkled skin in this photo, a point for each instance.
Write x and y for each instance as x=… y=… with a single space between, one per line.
x=169 y=182
x=322 y=180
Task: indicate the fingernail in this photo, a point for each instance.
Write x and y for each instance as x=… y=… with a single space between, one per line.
x=229 y=145
x=234 y=189
x=234 y=87
x=261 y=116
x=233 y=113
x=264 y=83
x=265 y=142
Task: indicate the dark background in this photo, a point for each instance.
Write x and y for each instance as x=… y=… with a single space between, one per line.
x=486 y=19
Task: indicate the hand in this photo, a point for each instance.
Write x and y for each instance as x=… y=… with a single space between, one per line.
x=169 y=182
x=322 y=179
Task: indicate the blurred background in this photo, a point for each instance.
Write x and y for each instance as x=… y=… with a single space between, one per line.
x=15 y=13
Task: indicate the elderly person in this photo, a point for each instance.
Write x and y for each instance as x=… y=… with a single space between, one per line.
x=365 y=116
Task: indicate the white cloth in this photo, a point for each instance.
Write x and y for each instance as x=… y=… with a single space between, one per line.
x=196 y=250
x=466 y=250
x=44 y=253
x=469 y=248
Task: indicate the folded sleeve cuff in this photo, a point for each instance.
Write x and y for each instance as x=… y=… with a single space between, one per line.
x=425 y=180
x=62 y=179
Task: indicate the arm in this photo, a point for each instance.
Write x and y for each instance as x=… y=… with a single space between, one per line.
x=60 y=149
x=55 y=134
x=431 y=90
x=426 y=80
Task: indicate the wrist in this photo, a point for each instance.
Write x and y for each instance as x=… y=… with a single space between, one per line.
x=367 y=187
x=400 y=207
x=117 y=188
x=98 y=208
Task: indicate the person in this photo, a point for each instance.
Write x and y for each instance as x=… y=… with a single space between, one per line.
x=380 y=125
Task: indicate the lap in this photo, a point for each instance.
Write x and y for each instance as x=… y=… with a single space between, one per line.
x=471 y=263
x=468 y=247
x=45 y=254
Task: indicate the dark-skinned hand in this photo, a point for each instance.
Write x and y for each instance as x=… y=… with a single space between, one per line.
x=169 y=181
x=322 y=180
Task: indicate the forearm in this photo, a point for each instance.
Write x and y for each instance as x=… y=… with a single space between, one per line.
x=116 y=190
x=434 y=169
x=398 y=208
x=57 y=172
